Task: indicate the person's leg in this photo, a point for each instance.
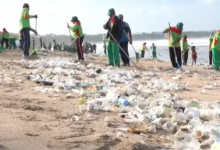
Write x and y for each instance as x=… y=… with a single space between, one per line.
x=21 y=46
x=116 y=54
x=142 y=54
x=24 y=42
x=216 y=60
x=3 y=41
x=178 y=55
x=154 y=55
x=80 y=46
x=110 y=53
x=122 y=54
x=77 y=48
x=28 y=40
x=210 y=57
x=186 y=57
x=7 y=43
x=172 y=57
x=127 y=52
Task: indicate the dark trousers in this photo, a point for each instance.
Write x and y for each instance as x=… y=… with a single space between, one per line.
x=12 y=46
x=78 y=44
x=21 y=44
x=124 y=57
x=185 y=56
x=173 y=57
x=210 y=57
x=142 y=54
x=25 y=34
x=4 y=40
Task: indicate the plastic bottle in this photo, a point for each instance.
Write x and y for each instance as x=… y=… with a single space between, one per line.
x=168 y=126
x=191 y=142
x=123 y=101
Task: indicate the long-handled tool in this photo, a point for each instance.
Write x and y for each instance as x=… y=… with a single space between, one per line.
x=122 y=50
x=178 y=65
x=188 y=49
x=69 y=32
x=34 y=53
x=137 y=55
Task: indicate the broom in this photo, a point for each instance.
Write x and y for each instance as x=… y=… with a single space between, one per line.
x=137 y=55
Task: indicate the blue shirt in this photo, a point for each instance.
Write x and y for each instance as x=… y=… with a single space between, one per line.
x=125 y=30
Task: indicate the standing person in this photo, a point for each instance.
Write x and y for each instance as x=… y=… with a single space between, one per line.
x=55 y=45
x=143 y=48
x=44 y=46
x=113 y=26
x=78 y=36
x=124 y=41
x=33 y=43
x=49 y=46
x=184 y=49
x=94 y=48
x=25 y=29
x=41 y=43
x=5 y=38
x=194 y=55
x=216 y=50
x=154 y=52
x=210 y=50
x=174 y=42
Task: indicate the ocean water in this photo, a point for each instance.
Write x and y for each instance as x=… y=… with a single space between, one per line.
x=202 y=49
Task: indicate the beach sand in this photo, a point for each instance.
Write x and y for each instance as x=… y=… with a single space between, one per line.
x=31 y=120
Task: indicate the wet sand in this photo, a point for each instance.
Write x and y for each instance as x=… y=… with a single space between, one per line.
x=32 y=120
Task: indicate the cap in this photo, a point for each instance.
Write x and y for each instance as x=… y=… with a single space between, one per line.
x=74 y=18
x=26 y=5
x=180 y=25
x=120 y=17
x=111 y=11
x=4 y=29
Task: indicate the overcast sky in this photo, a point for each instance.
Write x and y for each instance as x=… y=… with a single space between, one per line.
x=142 y=15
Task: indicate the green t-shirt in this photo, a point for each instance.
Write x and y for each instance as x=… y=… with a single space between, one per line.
x=174 y=35
x=154 y=48
x=184 y=45
x=5 y=35
x=76 y=30
x=216 y=41
x=25 y=19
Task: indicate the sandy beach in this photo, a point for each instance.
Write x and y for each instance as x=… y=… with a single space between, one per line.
x=33 y=120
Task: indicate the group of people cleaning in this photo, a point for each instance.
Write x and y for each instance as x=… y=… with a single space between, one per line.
x=6 y=40
x=178 y=43
x=118 y=37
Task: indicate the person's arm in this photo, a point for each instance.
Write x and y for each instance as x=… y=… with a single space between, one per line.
x=130 y=35
x=27 y=16
x=166 y=30
x=146 y=48
x=105 y=26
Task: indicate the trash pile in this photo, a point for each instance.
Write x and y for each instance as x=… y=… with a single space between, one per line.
x=146 y=102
